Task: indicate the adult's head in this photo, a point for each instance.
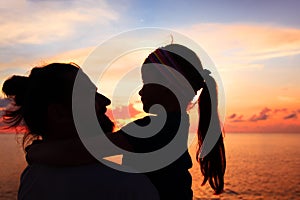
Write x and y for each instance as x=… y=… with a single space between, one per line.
x=43 y=102
x=178 y=71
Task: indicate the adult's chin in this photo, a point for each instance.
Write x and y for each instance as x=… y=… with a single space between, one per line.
x=146 y=108
x=105 y=123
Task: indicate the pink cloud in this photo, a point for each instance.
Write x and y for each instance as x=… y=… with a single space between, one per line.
x=279 y=120
x=263 y=115
x=232 y=116
x=235 y=118
x=280 y=110
x=124 y=114
x=291 y=116
x=239 y=119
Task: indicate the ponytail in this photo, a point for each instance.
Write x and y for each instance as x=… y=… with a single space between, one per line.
x=212 y=164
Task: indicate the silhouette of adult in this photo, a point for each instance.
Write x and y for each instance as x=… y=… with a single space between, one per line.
x=43 y=103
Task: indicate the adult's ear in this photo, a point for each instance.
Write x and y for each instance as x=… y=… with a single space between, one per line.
x=60 y=122
x=59 y=112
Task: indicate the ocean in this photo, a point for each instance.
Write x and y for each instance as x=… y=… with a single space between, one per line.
x=259 y=166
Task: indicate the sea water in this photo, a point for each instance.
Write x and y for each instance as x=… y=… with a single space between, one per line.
x=259 y=166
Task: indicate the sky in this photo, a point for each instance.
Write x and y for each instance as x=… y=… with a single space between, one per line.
x=254 y=44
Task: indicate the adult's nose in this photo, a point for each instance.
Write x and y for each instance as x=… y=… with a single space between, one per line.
x=141 y=91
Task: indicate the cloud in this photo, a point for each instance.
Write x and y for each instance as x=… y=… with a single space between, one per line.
x=239 y=119
x=33 y=33
x=279 y=110
x=263 y=128
x=245 y=45
x=77 y=56
x=125 y=111
x=291 y=116
x=232 y=116
x=235 y=118
x=279 y=120
x=263 y=115
x=122 y=115
x=41 y=22
x=4 y=102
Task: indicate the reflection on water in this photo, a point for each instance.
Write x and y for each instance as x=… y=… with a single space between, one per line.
x=12 y=163
x=259 y=166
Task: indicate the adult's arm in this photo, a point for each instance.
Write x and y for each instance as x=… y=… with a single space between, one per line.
x=72 y=152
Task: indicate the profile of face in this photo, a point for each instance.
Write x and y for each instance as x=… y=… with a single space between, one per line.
x=101 y=101
x=60 y=113
x=150 y=95
x=154 y=92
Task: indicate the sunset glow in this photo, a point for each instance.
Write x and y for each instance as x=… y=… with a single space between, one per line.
x=257 y=56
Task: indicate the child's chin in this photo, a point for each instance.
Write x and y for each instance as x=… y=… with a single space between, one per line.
x=106 y=124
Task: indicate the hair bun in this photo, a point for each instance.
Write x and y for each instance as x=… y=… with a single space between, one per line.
x=16 y=86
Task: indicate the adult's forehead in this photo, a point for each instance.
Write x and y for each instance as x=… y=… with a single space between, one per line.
x=84 y=80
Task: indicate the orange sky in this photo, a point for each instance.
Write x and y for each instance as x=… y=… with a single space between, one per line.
x=257 y=56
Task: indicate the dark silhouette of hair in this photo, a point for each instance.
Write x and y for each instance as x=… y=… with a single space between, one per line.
x=52 y=83
x=187 y=63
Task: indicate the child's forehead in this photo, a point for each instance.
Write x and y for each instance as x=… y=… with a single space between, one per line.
x=158 y=72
